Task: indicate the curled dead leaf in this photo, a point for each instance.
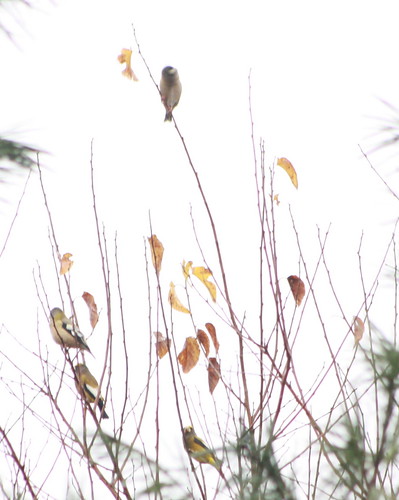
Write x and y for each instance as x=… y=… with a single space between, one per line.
x=358 y=329
x=156 y=252
x=174 y=301
x=288 y=167
x=212 y=332
x=203 y=274
x=89 y=299
x=66 y=263
x=297 y=288
x=186 y=268
x=203 y=339
x=162 y=344
x=213 y=374
x=125 y=58
x=189 y=356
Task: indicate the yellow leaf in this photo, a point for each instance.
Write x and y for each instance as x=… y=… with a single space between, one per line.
x=125 y=58
x=189 y=356
x=288 y=167
x=174 y=301
x=202 y=273
x=204 y=341
x=358 y=329
x=213 y=374
x=156 y=252
x=162 y=345
x=275 y=198
x=66 y=263
x=89 y=299
x=297 y=288
x=212 y=332
x=186 y=268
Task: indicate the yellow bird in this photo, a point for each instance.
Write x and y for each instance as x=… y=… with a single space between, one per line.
x=170 y=87
x=198 y=450
x=87 y=386
x=64 y=332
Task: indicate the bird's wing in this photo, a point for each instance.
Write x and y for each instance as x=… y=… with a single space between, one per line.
x=91 y=391
x=75 y=332
x=200 y=443
x=68 y=327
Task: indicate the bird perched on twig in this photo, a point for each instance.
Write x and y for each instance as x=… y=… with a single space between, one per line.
x=64 y=332
x=87 y=386
x=170 y=87
x=198 y=450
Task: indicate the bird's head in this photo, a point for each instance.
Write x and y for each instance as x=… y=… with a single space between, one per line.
x=79 y=368
x=188 y=430
x=56 y=311
x=169 y=73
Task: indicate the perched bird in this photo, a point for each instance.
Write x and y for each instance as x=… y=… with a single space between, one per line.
x=64 y=332
x=87 y=386
x=170 y=90
x=198 y=450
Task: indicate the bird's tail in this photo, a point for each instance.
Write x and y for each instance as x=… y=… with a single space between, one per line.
x=102 y=409
x=168 y=116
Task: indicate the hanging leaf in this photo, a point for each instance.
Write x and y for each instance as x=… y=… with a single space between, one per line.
x=202 y=273
x=174 y=301
x=186 y=268
x=162 y=344
x=189 y=356
x=275 y=198
x=213 y=374
x=358 y=329
x=89 y=299
x=156 y=252
x=203 y=339
x=288 y=167
x=66 y=263
x=297 y=288
x=125 y=58
x=212 y=332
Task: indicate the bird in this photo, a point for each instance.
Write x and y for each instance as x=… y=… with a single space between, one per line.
x=170 y=88
x=87 y=386
x=198 y=450
x=64 y=332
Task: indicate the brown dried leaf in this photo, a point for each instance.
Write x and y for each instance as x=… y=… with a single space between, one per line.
x=204 y=341
x=89 y=299
x=358 y=329
x=125 y=57
x=66 y=263
x=189 y=356
x=297 y=288
x=202 y=273
x=213 y=374
x=156 y=252
x=275 y=198
x=162 y=345
x=174 y=301
x=212 y=332
x=288 y=167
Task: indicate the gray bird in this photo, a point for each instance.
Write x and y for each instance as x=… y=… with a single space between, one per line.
x=170 y=90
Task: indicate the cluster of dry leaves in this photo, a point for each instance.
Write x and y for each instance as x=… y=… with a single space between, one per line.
x=189 y=355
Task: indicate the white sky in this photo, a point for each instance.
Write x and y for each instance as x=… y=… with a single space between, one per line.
x=318 y=71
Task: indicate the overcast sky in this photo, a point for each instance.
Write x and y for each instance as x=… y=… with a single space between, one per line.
x=318 y=71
